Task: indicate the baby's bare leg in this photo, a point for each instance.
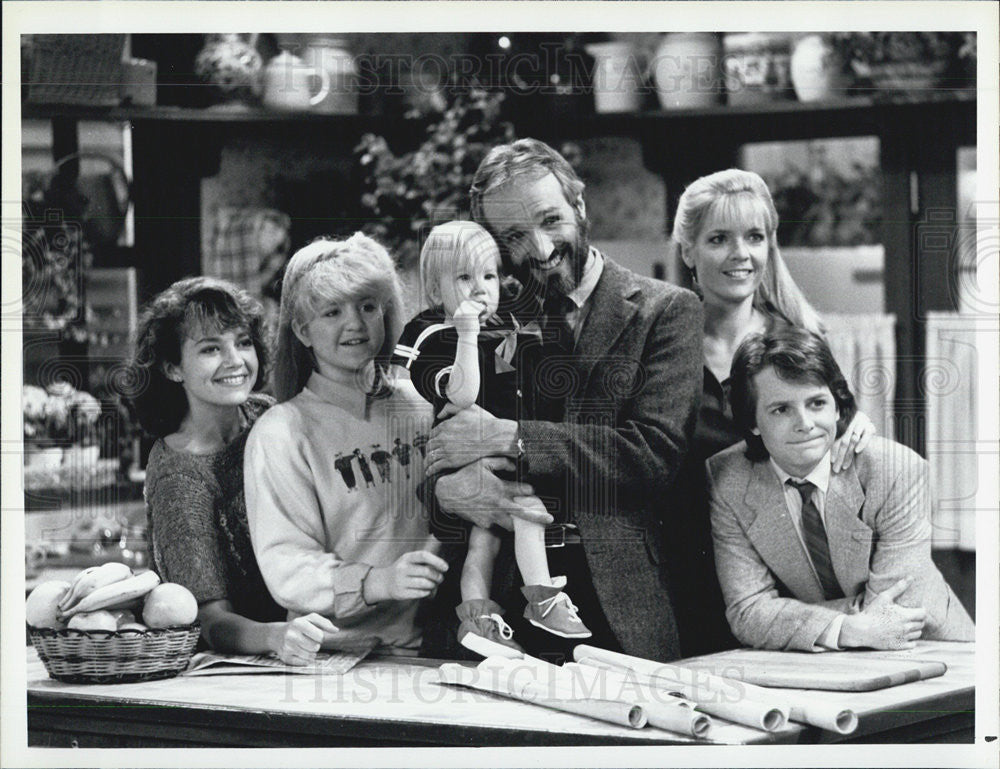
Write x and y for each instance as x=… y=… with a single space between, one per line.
x=477 y=572
x=529 y=545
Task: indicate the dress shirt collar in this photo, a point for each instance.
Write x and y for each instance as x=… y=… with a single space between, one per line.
x=351 y=399
x=588 y=281
x=819 y=477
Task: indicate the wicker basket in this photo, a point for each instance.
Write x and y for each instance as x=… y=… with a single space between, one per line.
x=113 y=657
x=76 y=69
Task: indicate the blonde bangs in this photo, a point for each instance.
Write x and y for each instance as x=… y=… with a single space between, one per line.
x=743 y=211
x=450 y=248
x=342 y=278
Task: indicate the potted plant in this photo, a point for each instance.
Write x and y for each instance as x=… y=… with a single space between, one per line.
x=826 y=206
x=404 y=195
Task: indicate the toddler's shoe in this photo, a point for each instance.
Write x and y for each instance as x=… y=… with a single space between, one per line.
x=484 y=631
x=551 y=609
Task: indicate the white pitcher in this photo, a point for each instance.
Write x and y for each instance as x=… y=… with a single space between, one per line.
x=616 y=77
x=288 y=86
x=330 y=54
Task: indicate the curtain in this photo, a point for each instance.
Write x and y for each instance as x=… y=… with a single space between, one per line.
x=950 y=375
x=865 y=349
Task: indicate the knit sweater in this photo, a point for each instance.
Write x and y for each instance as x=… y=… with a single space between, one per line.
x=196 y=511
x=330 y=482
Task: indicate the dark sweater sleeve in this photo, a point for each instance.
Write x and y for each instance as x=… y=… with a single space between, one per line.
x=184 y=536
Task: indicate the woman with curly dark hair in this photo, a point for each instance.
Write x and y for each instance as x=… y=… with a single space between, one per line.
x=199 y=363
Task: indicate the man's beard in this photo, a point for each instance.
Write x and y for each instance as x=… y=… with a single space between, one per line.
x=574 y=254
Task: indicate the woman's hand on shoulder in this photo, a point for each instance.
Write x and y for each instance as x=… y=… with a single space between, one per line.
x=300 y=639
x=854 y=440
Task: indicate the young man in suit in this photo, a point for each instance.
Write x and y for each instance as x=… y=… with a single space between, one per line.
x=809 y=559
x=618 y=385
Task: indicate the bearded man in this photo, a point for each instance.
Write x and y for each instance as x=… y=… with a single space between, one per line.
x=616 y=392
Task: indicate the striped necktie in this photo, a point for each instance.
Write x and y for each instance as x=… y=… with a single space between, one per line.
x=814 y=534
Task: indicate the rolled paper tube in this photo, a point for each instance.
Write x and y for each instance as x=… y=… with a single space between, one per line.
x=612 y=711
x=620 y=713
x=747 y=712
x=792 y=703
x=768 y=715
x=672 y=713
x=815 y=712
x=550 y=686
x=833 y=717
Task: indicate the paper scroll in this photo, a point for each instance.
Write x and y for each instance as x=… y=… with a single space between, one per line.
x=766 y=709
x=713 y=694
x=520 y=688
x=664 y=711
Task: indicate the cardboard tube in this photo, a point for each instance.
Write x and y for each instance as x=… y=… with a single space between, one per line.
x=620 y=713
x=824 y=715
x=611 y=711
x=669 y=712
x=792 y=704
x=680 y=718
x=710 y=696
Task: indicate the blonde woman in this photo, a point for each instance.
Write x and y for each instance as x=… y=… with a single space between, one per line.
x=725 y=233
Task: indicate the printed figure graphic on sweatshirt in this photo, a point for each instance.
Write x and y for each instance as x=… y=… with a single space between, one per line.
x=402 y=453
x=381 y=459
x=346 y=470
x=366 y=471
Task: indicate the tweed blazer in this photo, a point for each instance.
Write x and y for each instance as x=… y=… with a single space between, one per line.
x=878 y=526
x=632 y=386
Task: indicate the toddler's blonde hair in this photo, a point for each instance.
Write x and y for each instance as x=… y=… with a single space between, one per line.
x=451 y=246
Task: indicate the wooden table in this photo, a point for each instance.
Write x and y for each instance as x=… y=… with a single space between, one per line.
x=392 y=702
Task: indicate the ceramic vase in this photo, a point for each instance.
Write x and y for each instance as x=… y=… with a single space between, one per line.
x=686 y=70
x=816 y=70
x=616 y=77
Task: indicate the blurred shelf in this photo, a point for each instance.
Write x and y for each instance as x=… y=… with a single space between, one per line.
x=236 y=114
x=665 y=134
x=246 y=114
x=768 y=121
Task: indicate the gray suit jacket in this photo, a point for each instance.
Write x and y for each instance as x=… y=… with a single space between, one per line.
x=632 y=389
x=878 y=526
